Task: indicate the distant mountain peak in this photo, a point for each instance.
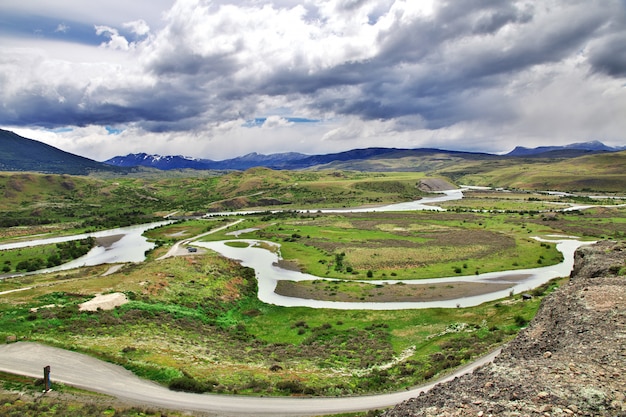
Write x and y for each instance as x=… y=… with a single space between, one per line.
x=163 y=162
x=591 y=146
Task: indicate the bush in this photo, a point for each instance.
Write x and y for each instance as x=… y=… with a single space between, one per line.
x=188 y=384
x=520 y=321
x=293 y=386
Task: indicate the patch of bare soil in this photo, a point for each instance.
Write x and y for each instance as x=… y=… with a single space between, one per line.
x=104 y=302
x=570 y=361
x=289 y=265
x=108 y=241
x=435 y=184
x=389 y=293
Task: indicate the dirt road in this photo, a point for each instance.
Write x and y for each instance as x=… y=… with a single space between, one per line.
x=177 y=248
x=83 y=371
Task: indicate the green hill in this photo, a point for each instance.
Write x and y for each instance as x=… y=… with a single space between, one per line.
x=21 y=154
x=603 y=172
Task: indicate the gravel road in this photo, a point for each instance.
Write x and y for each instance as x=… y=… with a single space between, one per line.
x=71 y=368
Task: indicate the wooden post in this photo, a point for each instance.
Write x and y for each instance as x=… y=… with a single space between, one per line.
x=46 y=378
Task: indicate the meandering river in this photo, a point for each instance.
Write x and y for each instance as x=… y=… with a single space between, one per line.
x=268 y=274
x=128 y=245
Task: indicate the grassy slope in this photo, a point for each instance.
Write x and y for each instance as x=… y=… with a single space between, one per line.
x=598 y=173
x=46 y=203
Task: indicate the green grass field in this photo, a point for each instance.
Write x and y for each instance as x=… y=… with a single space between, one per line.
x=403 y=245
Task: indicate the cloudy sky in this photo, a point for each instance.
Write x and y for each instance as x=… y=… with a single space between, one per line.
x=218 y=79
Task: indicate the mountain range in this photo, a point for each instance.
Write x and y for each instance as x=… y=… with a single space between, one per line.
x=292 y=160
x=22 y=154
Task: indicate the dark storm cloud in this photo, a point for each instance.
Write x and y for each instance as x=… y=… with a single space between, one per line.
x=424 y=69
x=165 y=104
x=609 y=57
x=436 y=66
x=374 y=60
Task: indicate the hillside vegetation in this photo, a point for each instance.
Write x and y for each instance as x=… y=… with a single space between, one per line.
x=602 y=172
x=58 y=202
x=52 y=202
x=568 y=361
x=598 y=173
x=43 y=197
x=21 y=154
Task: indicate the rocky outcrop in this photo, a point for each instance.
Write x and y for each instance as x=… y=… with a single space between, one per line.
x=570 y=360
x=431 y=185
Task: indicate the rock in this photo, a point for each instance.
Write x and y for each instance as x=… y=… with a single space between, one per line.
x=104 y=302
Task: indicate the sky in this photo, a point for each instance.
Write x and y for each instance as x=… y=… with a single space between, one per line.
x=223 y=78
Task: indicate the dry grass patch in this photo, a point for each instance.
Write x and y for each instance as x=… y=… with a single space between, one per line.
x=403 y=257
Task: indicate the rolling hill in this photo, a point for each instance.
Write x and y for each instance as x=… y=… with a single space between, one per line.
x=21 y=154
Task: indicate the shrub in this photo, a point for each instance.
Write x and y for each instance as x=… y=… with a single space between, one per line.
x=520 y=321
x=293 y=386
x=188 y=384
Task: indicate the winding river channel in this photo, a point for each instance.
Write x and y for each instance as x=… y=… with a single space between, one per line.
x=128 y=245
x=124 y=244
x=268 y=274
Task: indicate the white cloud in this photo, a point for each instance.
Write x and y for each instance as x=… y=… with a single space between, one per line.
x=187 y=74
x=116 y=41
x=111 y=12
x=273 y=122
x=62 y=28
x=139 y=27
